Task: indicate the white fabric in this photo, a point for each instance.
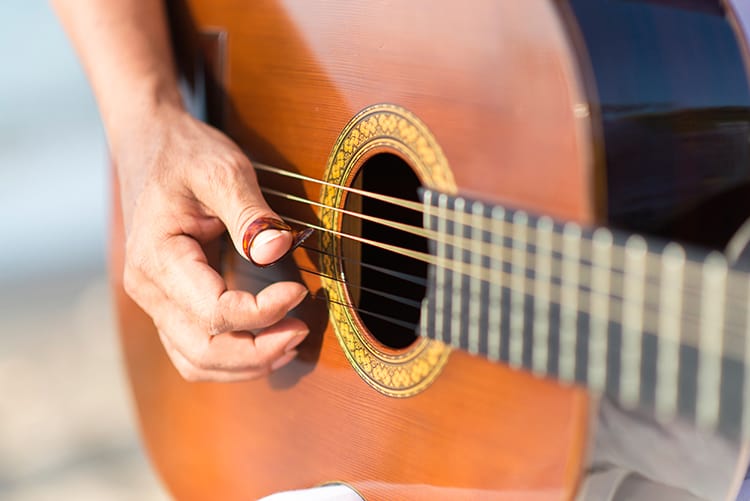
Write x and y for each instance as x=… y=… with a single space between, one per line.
x=337 y=492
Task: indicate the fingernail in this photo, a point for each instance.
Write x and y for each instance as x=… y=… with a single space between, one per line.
x=256 y=230
x=266 y=236
x=266 y=229
x=295 y=341
x=285 y=359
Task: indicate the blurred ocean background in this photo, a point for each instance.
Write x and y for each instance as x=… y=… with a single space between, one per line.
x=67 y=428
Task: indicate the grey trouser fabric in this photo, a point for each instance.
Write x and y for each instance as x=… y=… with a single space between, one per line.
x=636 y=458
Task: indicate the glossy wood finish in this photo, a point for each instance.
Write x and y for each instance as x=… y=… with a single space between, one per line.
x=508 y=90
x=498 y=86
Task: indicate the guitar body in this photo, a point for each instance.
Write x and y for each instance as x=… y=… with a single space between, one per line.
x=510 y=96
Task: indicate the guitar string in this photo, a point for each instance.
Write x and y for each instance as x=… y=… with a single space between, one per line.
x=393 y=320
x=393 y=297
x=652 y=282
x=393 y=273
x=464 y=243
x=733 y=338
x=406 y=204
x=618 y=252
x=731 y=344
x=427 y=258
x=652 y=287
x=727 y=352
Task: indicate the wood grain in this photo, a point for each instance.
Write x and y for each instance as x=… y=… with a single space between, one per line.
x=499 y=86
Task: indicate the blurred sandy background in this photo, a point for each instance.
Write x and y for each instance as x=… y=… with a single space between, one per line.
x=66 y=424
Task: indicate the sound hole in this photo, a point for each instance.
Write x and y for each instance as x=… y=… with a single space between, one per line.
x=385 y=287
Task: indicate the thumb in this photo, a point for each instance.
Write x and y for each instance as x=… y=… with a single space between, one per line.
x=257 y=233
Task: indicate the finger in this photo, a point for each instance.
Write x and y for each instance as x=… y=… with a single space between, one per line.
x=273 y=342
x=201 y=355
x=233 y=351
x=229 y=187
x=192 y=374
x=184 y=275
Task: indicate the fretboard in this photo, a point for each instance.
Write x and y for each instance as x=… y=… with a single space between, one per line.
x=652 y=324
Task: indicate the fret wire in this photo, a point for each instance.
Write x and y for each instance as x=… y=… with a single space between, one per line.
x=543 y=270
x=424 y=317
x=458 y=277
x=440 y=272
x=709 y=359
x=668 y=351
x=518 y=292
x=475 y=301
x=632 y=321
x=599 y=313
x=569 y=300
x=496 y=285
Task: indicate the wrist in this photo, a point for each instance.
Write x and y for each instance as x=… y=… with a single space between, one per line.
x=138 y=114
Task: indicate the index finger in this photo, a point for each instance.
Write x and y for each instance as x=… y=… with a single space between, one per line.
x=184 y=275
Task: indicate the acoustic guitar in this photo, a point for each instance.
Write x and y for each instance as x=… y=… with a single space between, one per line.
x=516 y=205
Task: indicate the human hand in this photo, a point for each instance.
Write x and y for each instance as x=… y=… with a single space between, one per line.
x=183 y=184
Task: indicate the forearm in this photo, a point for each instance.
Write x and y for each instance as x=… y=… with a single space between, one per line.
x=182 y=183
x=124 y=47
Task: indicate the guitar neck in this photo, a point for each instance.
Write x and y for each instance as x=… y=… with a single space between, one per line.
x=651 y=323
